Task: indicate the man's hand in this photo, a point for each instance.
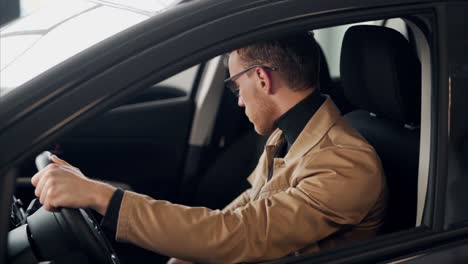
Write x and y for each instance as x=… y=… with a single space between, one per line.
x=178 y=261
x=62 y=185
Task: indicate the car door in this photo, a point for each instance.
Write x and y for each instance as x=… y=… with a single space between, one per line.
x=272 y=19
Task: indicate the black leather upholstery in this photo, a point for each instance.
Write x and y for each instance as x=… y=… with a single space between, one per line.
x=381 y=75
x=381 y=72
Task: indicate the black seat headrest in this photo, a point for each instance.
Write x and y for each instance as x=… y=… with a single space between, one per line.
x=324 y=79
x=381 y=73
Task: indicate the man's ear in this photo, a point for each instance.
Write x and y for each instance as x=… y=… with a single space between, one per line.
x=264 y=80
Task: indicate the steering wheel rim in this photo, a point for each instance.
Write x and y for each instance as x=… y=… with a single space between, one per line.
x=89 y=234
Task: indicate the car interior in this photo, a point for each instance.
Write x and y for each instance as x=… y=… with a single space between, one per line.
x=381 y=75
x=185 y=139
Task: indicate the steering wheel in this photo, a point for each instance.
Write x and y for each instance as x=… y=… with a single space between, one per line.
x=66 y=236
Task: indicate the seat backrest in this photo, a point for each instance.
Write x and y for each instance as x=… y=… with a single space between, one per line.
x=381 y=76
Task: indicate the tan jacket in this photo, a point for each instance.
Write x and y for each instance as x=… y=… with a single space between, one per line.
x=328 y=190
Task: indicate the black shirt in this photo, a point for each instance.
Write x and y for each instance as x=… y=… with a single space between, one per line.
x=290 y=123
x=295 y=119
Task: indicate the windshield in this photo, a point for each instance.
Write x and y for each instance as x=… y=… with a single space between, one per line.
x=61 y=29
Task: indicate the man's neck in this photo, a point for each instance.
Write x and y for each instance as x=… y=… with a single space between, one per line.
x=294 y=120
x=288 y=98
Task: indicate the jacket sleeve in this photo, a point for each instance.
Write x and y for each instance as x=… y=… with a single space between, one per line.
x=329 y=195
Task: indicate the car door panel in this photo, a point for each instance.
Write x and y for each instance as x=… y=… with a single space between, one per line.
x=141 y=143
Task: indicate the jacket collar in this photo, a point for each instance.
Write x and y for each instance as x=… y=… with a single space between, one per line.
x=313 y=132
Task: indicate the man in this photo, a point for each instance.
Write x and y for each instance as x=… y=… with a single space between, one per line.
x=317 y=185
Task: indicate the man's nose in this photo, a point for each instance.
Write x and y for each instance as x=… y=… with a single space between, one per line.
x=240 y=102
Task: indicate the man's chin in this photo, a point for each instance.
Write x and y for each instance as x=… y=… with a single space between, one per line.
x=263 y=131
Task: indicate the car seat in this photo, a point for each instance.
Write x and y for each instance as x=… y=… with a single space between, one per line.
x=381 y=76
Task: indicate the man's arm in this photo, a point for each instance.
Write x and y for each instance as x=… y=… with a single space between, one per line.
x=239 y=201
x=337 y=190
x=62 y=184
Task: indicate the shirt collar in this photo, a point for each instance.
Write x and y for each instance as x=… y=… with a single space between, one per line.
x=295 y=119
x=315 y=129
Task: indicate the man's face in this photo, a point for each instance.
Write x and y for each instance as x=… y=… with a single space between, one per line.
x=252 y=96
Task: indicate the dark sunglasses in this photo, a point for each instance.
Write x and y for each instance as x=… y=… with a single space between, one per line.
x=232 y=85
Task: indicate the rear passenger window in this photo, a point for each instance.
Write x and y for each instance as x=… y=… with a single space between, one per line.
x=330 y=40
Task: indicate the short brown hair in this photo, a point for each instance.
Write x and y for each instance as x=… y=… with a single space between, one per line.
x=296 y=57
